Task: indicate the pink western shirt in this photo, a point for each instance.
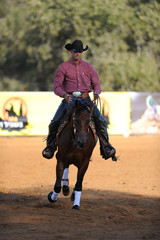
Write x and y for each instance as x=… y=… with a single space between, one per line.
x=72 y=77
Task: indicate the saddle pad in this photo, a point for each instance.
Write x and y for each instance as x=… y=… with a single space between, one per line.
x=64 y=123
x=92 y=126
x=61 y=127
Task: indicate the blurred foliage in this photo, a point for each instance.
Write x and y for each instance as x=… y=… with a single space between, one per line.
x=123 y=38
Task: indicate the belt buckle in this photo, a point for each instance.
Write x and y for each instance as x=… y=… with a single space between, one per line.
x=77 y=94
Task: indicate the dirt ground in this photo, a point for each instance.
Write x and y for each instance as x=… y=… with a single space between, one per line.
x=120 y=200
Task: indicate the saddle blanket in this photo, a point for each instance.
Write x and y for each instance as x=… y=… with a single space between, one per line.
x=64 y=123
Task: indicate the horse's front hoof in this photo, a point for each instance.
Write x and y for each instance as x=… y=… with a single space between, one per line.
x=65 y=190
x=50 y=199
x=76 y=207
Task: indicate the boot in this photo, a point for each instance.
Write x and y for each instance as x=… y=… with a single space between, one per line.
x=106 y=149
x=48 y=151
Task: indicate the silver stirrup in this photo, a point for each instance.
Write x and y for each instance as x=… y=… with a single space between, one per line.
x=76 y=94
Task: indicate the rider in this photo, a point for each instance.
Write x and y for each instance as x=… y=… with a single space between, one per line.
x=74 y=79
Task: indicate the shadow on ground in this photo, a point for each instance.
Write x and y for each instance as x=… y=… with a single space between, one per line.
x=103 y=215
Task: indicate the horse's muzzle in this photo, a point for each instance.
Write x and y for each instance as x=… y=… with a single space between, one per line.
x=81 y=141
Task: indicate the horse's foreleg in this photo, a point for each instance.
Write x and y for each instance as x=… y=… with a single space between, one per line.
x=59 y=174
x=65 y=182
x=78 y=186
x=57 y=187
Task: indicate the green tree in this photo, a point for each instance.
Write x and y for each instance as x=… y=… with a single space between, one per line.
x=123 y=38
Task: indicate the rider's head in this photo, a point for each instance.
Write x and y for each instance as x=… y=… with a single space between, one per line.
x=76 y=49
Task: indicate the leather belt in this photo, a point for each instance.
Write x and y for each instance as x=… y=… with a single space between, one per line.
x=77 y=94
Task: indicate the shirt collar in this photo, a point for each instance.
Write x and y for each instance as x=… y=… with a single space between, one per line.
x=71 y=60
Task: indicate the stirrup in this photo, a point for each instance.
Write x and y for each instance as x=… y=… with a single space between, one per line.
x=48 y=152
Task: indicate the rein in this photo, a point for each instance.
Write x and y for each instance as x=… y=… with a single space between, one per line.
x=98 y=102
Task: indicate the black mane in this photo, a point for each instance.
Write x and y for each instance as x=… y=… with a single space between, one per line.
x=82 y=107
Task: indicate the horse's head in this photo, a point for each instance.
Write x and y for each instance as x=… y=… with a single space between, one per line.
x=81 y=120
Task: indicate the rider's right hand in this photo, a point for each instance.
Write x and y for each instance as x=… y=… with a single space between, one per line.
x=67 y=97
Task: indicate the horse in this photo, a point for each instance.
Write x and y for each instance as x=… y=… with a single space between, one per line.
x=75 y=144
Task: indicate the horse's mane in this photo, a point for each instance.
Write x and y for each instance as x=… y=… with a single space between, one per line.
x=80 y=107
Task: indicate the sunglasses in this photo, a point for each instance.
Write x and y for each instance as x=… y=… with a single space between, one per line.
x=77 y=50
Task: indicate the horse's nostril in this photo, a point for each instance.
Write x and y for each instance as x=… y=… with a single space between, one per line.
x=80 y=144
x=81 y=141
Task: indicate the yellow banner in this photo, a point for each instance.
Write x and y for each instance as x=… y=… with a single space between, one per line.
x=26 y=113
x=29 y=113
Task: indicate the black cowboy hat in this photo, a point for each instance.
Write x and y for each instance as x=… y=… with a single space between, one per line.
x=77 y=44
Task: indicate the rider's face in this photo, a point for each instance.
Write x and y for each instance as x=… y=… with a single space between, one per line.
x=76 y=55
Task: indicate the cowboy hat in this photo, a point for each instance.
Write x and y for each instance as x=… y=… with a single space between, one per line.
x=77 y=44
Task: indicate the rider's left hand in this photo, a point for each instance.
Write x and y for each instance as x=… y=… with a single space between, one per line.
x=96 y=96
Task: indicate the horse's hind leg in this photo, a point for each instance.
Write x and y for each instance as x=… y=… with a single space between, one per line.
x=53 y=196
x=65 y=182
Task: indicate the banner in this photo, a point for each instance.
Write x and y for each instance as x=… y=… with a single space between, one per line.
x=26 y=113
x=29 y=113
x=145 y=115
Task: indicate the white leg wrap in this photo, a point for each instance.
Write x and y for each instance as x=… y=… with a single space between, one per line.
x=77 y=198
x=65 y=176
x=54 y=196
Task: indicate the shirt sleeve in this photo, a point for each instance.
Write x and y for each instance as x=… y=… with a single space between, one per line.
x=58 y=82
x=95 y=82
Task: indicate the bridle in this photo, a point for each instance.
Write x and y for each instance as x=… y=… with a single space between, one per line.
x=75 y=126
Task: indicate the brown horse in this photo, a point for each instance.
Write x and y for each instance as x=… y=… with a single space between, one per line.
x=75 y=146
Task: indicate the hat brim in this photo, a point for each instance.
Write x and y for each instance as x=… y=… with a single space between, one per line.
x=68 y=46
